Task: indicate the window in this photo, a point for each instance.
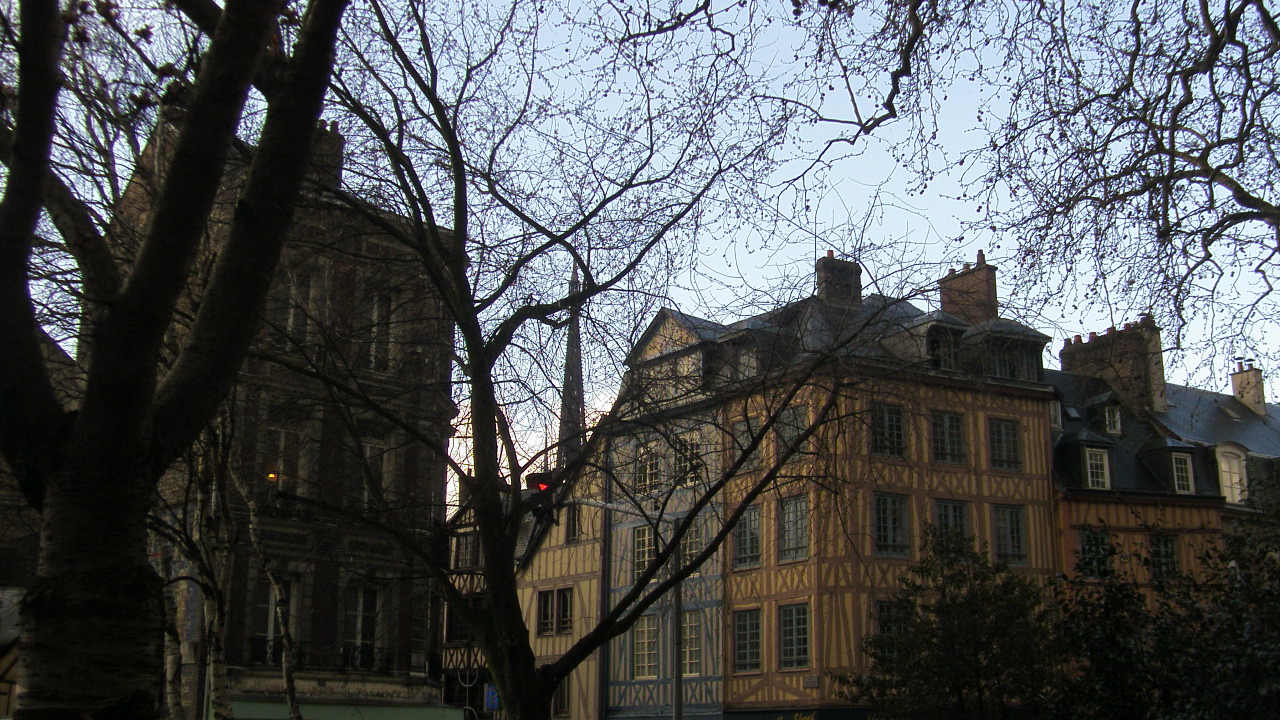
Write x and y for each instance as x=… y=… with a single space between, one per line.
x=363 y=609
x=791 y=424
x=1097 y=468
x=1096 y=551
x=687 y=468
x=888 y=430
x=564 y=610
x=377 y=470
x=281 y=453
x=1006 y=445
x=1055 y=414
x=643 y=550
x=891 y=535
x=560 y=700
x=1164 y=556
x=1232 y=477
x=267 y=644
x=889 y=617
x=691 y=546
x=793 y=528
x=793 y=636
x=746 y=640
x=691 y=643
x=572 y=523
x=466 y=550
x=456 y=629
x=743 y=431
x=948 y=438
x=1112 y=416
x=381 y=319
x=746 y=539
x=951 y=516
x=644 y=647
x=1011 y=535
x=1183 y=479
x=648 y=470
x=546 y=612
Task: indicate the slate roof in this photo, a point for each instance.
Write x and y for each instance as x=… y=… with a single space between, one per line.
x=1213 y=418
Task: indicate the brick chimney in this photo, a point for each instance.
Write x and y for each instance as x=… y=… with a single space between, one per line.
x=839 y=281
x=1131 y=359
x=1246 y=385
x=970 y=294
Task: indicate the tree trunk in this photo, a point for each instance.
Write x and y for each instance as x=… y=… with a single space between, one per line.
x=91 y=624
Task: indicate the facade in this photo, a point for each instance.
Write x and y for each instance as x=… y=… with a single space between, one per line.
x=839 y=426
x=271 y=510
x=1148 y=471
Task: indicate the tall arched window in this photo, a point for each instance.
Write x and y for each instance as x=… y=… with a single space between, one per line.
x=1232 y=477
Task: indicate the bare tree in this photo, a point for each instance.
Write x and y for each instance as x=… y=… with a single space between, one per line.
x=1136 y=159
x=91 y=623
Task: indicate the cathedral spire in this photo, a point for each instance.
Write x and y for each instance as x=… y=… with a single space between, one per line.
x=572 y=411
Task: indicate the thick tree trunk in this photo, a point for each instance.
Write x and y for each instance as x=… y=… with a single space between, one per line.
x=92 y=622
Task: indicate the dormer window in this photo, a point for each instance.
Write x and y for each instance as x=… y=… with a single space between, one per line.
x=1112 y=414
x=1055 y=414
x=941 y=346
x=1183 y=479
x=1233 y=479
x=1097 y=468
x=1012 y=360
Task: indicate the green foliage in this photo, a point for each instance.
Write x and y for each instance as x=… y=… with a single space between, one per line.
x=968 y=639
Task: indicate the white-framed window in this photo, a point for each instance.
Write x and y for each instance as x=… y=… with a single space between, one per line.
x=644 y=648
x=1011 y=534
x=891 y=531
x=691 y=643
x=267 y=644
x=746 y=539
x=687 y=461
x=1112 y=414
x=1183 y=476
x=746 y=640
x=363 y=632
x=951 y=516
x=1097 y=469
x=793 y=636
x=648 y=470
x=1055 y=414
x=282 y=457
x=793 y=528
x=644 y=549
x=691 y=545
x=1232 y=475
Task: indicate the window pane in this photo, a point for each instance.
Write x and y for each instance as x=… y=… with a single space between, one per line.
x=793 y=528
x=891 y=532
x=1095 y=553
x=546 y=613
x=746 y=640
x=888 y=430
x=1011 y=547
x=1182 y=478
x=1006 y=445
x=564 y=610
x=746 y=539
x=643 y=550
x=1164 y=556
x=1098 y=469
x=691 y=643
x=952 y=516
x=793 y=636
x=948 y=437
x=644 y=647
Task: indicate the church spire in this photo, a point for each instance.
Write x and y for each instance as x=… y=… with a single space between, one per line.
x=572 y=411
